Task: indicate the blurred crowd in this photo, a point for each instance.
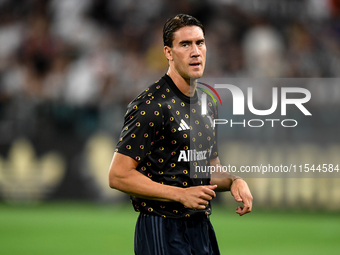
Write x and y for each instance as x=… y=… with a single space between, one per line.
x=79 y=62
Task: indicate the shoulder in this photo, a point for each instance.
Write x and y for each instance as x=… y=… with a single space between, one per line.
x=209 y=101
x=148 y=103
x=152 y=97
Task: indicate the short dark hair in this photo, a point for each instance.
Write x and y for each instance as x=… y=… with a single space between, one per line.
x=177 y=22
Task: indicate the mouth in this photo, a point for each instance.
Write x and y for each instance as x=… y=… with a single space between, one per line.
x=195 y=64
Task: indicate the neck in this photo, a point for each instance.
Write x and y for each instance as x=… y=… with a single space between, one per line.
x=182 y=84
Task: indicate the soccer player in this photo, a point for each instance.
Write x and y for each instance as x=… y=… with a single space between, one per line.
x=164 y=135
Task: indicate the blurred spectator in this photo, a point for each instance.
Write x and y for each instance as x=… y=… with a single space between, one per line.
x=36 y=53
x=263 y=48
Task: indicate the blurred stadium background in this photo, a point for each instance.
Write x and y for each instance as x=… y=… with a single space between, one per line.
x=68 y=68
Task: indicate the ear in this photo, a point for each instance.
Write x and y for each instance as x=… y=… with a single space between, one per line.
x=168 y=53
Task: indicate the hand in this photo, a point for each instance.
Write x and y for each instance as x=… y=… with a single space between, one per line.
x=240 y=191
x=197 y=197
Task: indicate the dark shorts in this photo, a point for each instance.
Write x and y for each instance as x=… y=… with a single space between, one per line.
x=155 y=235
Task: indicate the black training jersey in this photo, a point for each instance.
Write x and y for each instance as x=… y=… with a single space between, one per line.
x=165 y=131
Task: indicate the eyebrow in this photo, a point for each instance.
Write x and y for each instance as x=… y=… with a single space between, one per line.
x=185 y=42
x=188 y=41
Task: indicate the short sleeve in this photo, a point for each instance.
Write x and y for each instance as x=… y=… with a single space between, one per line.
x=143 y=123
x=214 y=115
x=214 y=152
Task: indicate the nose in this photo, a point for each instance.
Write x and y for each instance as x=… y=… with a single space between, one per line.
x=195 y=51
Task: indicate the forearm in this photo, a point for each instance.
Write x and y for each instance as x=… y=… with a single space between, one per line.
x=123 y=176
x=223 y=180
x=138 y=185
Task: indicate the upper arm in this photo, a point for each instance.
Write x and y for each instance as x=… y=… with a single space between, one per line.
x=121 y=166
x=142 y=127
x=123 y=176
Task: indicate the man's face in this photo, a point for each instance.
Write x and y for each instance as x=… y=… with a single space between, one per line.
x=188 y=52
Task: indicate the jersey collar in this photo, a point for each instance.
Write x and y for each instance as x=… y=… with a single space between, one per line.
x=192 y=100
